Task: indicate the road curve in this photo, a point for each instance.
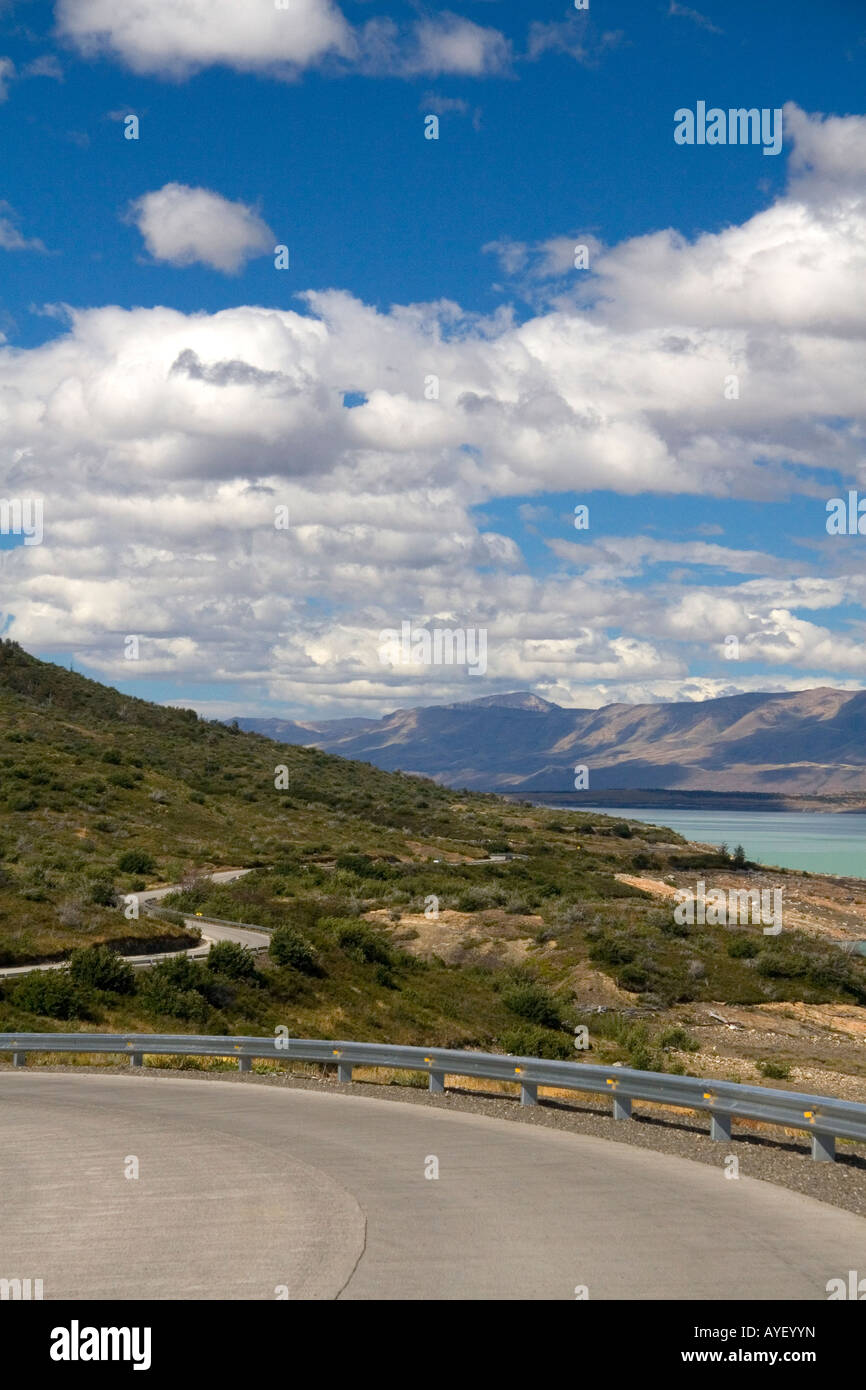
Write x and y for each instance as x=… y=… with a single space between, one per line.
x=244 y=1190
x=245 y=936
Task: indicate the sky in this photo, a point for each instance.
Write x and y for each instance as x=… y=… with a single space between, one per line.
x=317 y=319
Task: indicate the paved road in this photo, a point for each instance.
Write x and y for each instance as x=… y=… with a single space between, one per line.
x=243 y=1189
x=211 y=931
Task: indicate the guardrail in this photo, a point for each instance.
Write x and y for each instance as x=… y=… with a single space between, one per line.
x=823 y=1117
x=205 y=917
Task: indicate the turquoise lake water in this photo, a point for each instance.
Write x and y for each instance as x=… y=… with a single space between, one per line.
x=822 y=843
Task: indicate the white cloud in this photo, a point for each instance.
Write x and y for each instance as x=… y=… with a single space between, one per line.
x=454 y=45
x=162 y=441
x=47 y=65
x=184 y=225
x=175 y=38
x=11 y=238
x=178 y=37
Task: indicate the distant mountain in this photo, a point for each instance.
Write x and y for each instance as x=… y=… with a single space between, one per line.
x=798 y=743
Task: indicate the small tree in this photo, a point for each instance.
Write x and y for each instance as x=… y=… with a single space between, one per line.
x=232 y=959
x=290 y=947
x=739 y=857
x=101 y=968
x=135 y=861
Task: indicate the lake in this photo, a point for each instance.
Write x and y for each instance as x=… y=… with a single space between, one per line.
x=821 y=842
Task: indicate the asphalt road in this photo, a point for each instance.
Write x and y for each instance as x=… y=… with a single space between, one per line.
x=214 y=932
x=244 y=1190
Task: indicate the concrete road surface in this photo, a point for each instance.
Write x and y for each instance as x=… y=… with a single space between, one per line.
x=245 y=1189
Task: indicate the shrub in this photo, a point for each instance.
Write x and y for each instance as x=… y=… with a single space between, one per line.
x=775 y=1071
x=362 y=943
x=612 y=950
x=742 y=947
x=136 y=861
x=101 y=968
x=362 y=865
x=537 y=1042
x=102 y=892
x=51 y=993
x=232 y=959
x=172 y=987
x=623 y=830
x=678 y=1039
x=783 y=965
x=290 y=947
x=533 y=1002
x=633 y=978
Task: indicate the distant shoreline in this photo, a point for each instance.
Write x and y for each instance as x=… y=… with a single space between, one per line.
x=671 y=800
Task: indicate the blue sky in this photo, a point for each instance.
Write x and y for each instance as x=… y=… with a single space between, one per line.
x=163 y=387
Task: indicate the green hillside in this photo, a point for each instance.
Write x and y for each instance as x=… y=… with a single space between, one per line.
x=102 y=795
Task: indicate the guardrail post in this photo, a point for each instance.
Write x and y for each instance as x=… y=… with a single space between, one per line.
x=720 y=1126
x=19 y=1059
x=344 y=1071
x=437 y=1082
x=136 y=1059
x=823 y=1147
x=621 y=1107
x=244 y=1063
x=528 y=1093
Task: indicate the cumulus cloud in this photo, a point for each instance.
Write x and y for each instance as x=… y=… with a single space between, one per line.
x=176 y=38
x=162 y=442
x=454 y=45
x=183 y=225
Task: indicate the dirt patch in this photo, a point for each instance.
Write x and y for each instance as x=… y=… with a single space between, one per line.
x=447 y=856
x=463 y=938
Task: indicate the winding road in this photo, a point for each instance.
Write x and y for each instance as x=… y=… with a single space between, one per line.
x=216 y=931
x=249 y=1191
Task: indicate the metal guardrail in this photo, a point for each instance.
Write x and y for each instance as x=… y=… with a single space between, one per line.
x=205 y=917
x=823 y=1117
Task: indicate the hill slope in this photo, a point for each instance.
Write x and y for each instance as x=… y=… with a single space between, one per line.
x=393 y=920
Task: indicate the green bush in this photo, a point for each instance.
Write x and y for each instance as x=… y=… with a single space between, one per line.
x=533 y=1002
x=51 y=993
x=101 y=968
x=775 y=1071
x=783 y=965
x=612 y=950
x=290 y=947
x=633 y=977
x=742 y=947
x=176 y=986
x=360 y=942
x=102 y=892
x=678 y=1039
x=538 y=1042
x=136 y=861
x=232 y=959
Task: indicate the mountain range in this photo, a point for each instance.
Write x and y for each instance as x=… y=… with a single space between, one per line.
x=802 y=743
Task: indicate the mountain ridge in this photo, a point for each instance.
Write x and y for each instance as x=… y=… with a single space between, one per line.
x=790 y=743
